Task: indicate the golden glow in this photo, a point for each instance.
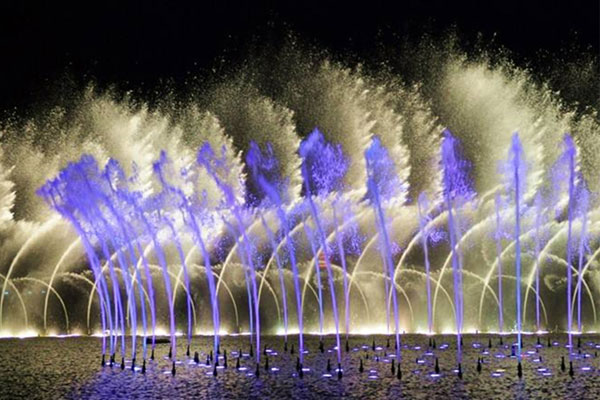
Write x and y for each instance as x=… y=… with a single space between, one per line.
x=21 y=334
x=222 y=332
x=424 y=332
x=161 y=332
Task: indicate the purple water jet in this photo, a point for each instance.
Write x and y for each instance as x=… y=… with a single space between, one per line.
x=382 y=184
x=457 y=188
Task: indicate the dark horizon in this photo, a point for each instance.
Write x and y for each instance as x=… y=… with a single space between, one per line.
x=138 y=45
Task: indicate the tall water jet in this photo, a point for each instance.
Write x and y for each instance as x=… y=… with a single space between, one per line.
x=383 y=185
x=54 y=198
x=83 y=211
x=132 y=241
x=538 y=239
x=519 y=174
x=193 y=211
x=114 y=176
x=582 y=211
x=457 y=188
x=323 y=168
x=423 y=220
x=273 y=190
x=151 y=223
x=339 y=235
x=93 y=182
x=184 y=267
x=219 y=169
x=151 y=231
x=125 y=202
x=268 y=165
x=100 y=201
x=498 y=239
x=242 y=254
x=568 y=157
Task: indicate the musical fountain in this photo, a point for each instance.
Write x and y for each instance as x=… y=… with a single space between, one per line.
x=226 y=254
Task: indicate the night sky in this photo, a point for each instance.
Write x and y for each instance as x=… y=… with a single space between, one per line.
x=143 y=43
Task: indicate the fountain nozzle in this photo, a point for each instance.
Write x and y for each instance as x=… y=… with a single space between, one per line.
x=571 y=372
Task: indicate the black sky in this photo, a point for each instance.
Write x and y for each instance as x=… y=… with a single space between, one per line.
x=148 y=41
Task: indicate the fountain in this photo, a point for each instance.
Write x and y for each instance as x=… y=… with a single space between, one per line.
x=422 y=207
x=337 y=247
x=518 y=186
x=119 y=224
x=567 y=161
x=382 y=186
x=456 y=190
